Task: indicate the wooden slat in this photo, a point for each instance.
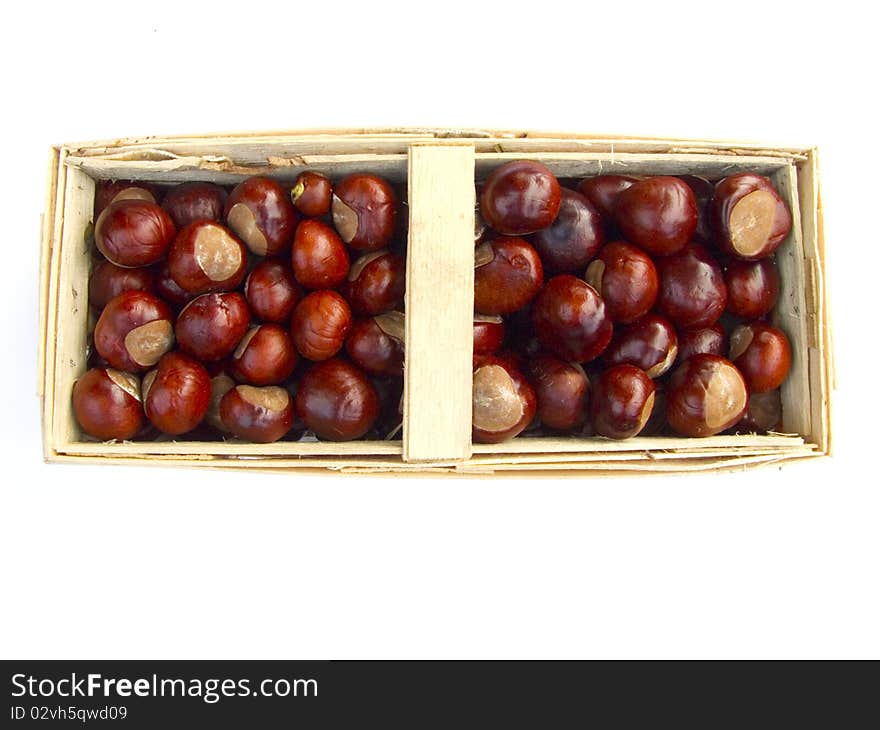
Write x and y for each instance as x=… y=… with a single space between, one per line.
x=439 y=303
x=199 y=449
x=47 y=228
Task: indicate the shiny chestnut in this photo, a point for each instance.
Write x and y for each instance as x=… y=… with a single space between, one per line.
x=570 y=319
x=520 y=197
x=320 y=258
x=603 y=191
x=562 y=392
x=176 y=394
x=207 y=257
x=211 y=325
x=692 y=289
x=169 y=289
x=107 y=404
x=650 y=344
x=508 y=275
x=658 y=214
x=364 y=211
x=706 y=395
x=134 y=233
x=261 y=415
x=221 y=384
x=194 y=201
x=749 y=217
x=376 y=283
x=320 y=324
x=763 y=413
x=264 y=356
x=703 y=191
x=311 y=194
x=376 y=344
x=709 y=340
x=626 y=279
x=762 y=354
x=752 y=287
x=504 y=402
x=261 y=214
x=621 y=402
x=272 y=291
x=108 y=280
x=573 y=238
x=337 y=401
x=488 y=334
x=134 y=331
x=112 y=192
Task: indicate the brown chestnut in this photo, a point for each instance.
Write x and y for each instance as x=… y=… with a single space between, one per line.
x=763 y=413
x=271 y=291
x=261 y=213
x=134 y=331
x=573 y=238
x=221 y=384
x=320 y=324
x=194 y=201
x=113 y=192
x=262 y=415
x=265 y=356
x=507 y=277
x=703 y=191
x=108 y=280
x=207 y=257
x=376 y=344
x=311 y=194
x=650 y=344
x=562 y=390
x=658 y=214
x=376 y=283
x=337 y=401
x=692 y=290
x=488 y=334
x=364 y=211
x=176 y=394
x=752 y=287
x=621 y=402
x=603 y=191
x=320 y=258
x=570 y=319
x=107 y=404
x=134 y=233
x=168 y=289
x=626 y=278
x=705 y=396
x=520 y=197
x=211 y=325
x=504 y=402
x=762 y=354
x=749 y=217
x=702 y=340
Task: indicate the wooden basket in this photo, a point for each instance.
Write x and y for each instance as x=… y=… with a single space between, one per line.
x=439 y=167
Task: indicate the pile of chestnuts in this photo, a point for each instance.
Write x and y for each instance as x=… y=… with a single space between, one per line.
x=617 y=305
x=256 y=313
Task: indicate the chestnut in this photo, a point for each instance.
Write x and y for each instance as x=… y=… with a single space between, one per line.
x=134 y=233
x=621 y=402
x=603 y=191
x=376 y=344
x=211 y=325
x=657 y=420
x=692 y=290
x=703 y=191
x=134 y=331
x=260 y=212
x=262 y=415
x=488 y=334
x=762 y=354
x=749 y=217
x=752 y=287
x=364 y=211
x=570 y=319
x=763 y=413
x=311 y=194
x=176 y=394
x=658 y=214
x=376 y=283
x=221 y=384
x=520 y=197
x=194 y=201
x=169 y=289
x=271 y=291
x=113 y=192
x=507 y=277
x=626 y=278
x=650 y=344
x=205 y=257
x=337 y=401
x=320 y=259
x=504 y=402
x=265 y=356
x=107 y=404
x=320 y=324
x=573 y=238
x=108 y=280
x=709 y=340
x=705 y=395
x=562 y=391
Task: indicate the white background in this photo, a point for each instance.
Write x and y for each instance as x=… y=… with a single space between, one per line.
x=143 y=562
